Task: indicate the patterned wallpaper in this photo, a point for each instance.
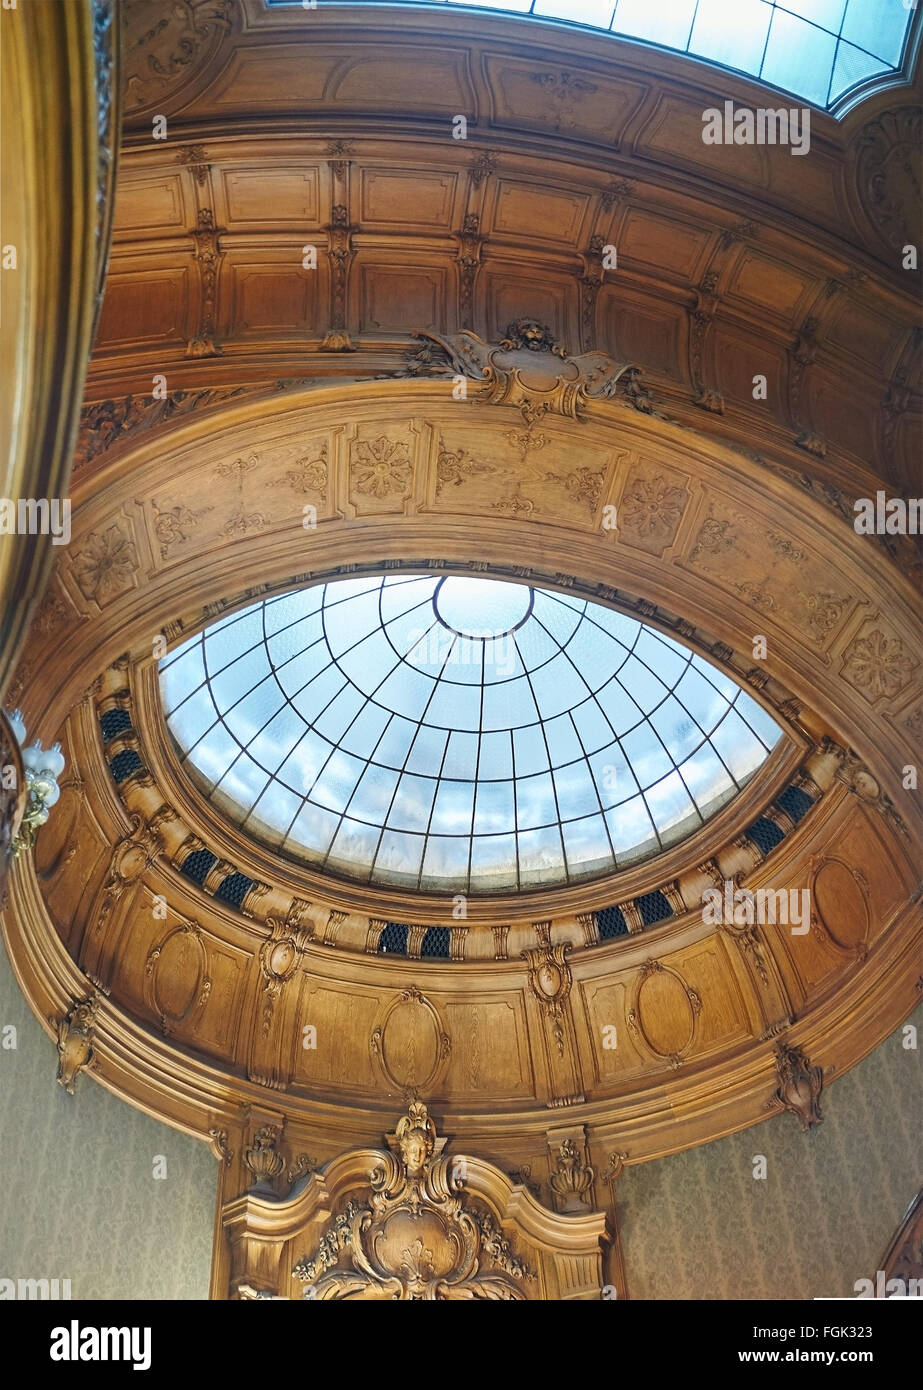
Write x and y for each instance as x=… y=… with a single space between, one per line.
x=699 y=1225
x=79 y=1197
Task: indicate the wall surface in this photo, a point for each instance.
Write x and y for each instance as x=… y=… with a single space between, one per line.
x=79 y=1197
x=699 y=1225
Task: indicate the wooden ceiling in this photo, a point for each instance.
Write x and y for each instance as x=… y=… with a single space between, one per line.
x=290 y=130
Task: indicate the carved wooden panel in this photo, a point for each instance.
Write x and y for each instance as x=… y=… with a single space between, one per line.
x=651 y=506
x=674 y=246
x=149 y=306
x=777 y=572
x=410 y=1044
x=72 y=863
x=508 y=294
x=491 y=1054
x=738 y=360
x=271 y=294
x=325 y=76
x=643 y=332
x=846 y=421
x=381 y=469
x=674 y=130
x=399 y=296
x=537 y=212
x=260 y=197
x=422 y=201
x=345 y=1019
x=559 y=98
x=840 y=905
x=615 y=1051
x=148 y=203
x=871 y=338
x=774 y=287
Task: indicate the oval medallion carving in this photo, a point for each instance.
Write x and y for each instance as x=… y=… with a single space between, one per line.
x=177 y=972
x=410 y=1044
x=840 y=904
x=665 y=1013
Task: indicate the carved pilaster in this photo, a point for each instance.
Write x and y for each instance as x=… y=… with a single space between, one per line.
x=415 y=941
x=468 y=261
x=588 y=922
x=340 y=253
x=801 y=356
x=457 y=942
x=501 y=935
x=550 y=981
x=702 y=315
x=131 y=857
x=208 y=256
x=590 y=284
x=376 y=927
x=633 y=919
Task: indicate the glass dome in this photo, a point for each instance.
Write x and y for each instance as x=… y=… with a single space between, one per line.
x=457 y=735
x=816 y=50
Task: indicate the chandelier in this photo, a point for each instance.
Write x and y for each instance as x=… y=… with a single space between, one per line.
x=43 y=767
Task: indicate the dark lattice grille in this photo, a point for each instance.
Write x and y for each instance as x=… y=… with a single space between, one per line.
x=610 y=923
x=124 y=764
x=437 y=942
x=765 y=834
x=393 y=939
x=114 y=721
x=234 y=889
x=796 y=802
x=198 y=864
x=653 y=907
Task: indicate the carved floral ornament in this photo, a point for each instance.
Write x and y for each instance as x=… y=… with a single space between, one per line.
x=75 y=1041
x=414 y=1239
x=550 y=980
x=800 y=1085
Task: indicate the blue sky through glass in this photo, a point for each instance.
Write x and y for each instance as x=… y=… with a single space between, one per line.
x=815 y=50
x=546 y=740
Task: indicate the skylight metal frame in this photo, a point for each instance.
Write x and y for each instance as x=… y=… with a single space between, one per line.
x=523 y=883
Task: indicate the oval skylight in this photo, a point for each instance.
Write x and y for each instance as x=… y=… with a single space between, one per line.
x=457 y=735
x=816 y=50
